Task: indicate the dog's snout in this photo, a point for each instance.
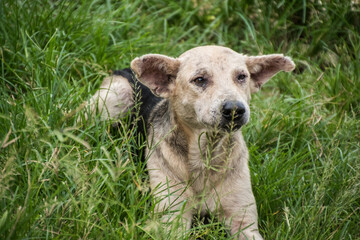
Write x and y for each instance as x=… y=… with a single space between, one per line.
x=233 y=115
x=233 y=110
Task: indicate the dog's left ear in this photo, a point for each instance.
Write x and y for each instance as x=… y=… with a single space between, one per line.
x=157 y=72
x=262 y=68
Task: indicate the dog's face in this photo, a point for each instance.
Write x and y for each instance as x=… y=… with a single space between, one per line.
x=210 y=86
x=213 y=88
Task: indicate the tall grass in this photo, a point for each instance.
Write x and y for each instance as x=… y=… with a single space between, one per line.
x=63 y=180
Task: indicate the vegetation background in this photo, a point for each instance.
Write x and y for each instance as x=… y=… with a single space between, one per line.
x=59 y=180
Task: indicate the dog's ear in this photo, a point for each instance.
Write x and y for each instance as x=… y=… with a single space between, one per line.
x=262 y=68
x=157 y=72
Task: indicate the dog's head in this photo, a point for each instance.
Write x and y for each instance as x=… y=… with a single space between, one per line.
x=209 y=86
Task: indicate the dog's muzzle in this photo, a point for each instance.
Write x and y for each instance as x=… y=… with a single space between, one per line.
x=233 y=115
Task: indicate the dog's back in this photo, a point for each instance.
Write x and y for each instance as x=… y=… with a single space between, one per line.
x=144 y=100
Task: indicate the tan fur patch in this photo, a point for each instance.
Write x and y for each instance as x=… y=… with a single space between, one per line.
x=113 y=99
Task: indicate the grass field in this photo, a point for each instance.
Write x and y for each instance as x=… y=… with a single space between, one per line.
x=60 y=180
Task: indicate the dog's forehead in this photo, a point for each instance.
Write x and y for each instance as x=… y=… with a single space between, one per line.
x=212 y=57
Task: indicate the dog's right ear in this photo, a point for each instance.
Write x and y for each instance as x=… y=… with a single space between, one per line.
x=157 y=72
x=262 y=68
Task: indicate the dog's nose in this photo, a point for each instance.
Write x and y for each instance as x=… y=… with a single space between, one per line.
x=233 y=110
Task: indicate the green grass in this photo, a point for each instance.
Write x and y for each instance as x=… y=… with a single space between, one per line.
x=59 y=180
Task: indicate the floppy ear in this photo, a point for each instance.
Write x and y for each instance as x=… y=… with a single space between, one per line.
x=262 y=68
x=157 y=72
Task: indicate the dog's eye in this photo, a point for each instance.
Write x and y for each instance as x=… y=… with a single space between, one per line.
x=200 y=81
x=241 y=78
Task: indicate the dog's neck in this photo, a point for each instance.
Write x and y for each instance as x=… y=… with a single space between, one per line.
x=211 y=146
x=210 y=154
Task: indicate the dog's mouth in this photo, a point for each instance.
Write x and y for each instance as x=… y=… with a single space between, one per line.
x=231 y=126
x=224 y=125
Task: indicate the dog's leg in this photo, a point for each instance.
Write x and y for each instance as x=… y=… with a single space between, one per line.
x=237 y=205
x=242 y=217
x=174 y=200
x=112 y=100
x=239 y=210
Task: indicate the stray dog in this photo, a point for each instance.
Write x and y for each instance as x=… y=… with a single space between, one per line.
x=194 y=107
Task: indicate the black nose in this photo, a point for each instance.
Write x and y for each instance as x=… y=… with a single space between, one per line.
x=233 y=111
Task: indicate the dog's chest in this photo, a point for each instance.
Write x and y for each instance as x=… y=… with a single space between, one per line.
x=201 y=167
x=210 y=162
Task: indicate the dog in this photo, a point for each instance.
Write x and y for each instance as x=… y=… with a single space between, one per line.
x=194 y=107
